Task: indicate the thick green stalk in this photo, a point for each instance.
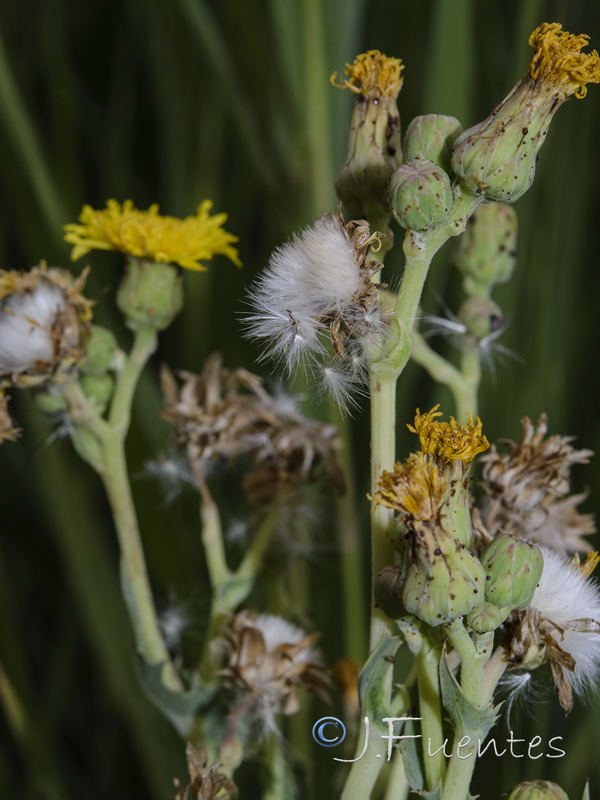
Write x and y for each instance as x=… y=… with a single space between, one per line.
x=474 y=655
x=430 y=711
x=383 y=437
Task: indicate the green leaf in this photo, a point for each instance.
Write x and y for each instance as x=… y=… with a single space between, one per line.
x=465 y=716
x=412 y=761
x=376 y=680
x=434 y=794
x=179 y=708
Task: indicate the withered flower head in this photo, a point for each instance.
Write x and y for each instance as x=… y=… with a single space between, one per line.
x=372 y=74
x=206 y=783
x=562 y=625
x=8 y=432
x=529 y=490
x=449 y=441
x=269 y=659
x=374 y=146
x=225 y=414
x=44 y=324
x=497 y=157
x=416 y=487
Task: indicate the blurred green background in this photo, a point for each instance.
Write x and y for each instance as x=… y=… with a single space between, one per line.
x=172 y=101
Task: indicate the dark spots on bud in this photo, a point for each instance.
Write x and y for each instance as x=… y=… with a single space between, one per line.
x=484 y=652
x=452 y=597
x=525 y=131
x=421 y=187
x=496 y=323
x=512 y=253
x=437 y=551
x=391 y=150
x=439 y=616
x=389 y=659
x=475 y=591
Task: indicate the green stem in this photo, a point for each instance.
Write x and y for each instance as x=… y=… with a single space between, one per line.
x=466 y=396
x=110 y=462
x=383 y=436
x=280 y=783
x=134 y=574
x=144 y=344
x=397 y=784
x=474 y=655
x=430 y=711
x=252 y=561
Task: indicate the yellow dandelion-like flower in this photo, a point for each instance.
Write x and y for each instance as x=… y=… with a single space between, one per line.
x=558 y=59
x=416 y=487
x=449 y=441
x=151 y=236
x=372 y=74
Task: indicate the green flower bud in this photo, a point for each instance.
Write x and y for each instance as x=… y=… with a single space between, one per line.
x=486 y=251
x=51 y=403
x=431 y=137
x=538 y=790
x=374 y=147
x=443 y=580
x=150 y=294
x=513 y=568
x=481 y=317
x=486 y=617
x=388 y=592
x=98 y=390
x=420 y=194
x=100 y=351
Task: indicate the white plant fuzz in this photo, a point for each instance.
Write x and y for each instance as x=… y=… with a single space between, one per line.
x=316 y=293
x=277 y=631
x=519 y=691
x=340 y=383
x=172 y=472
x=568 y=599
x=26 y=322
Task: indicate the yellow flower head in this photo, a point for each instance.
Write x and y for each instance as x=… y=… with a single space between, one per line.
x=558 y=59
x=148 y=235
x=416 y=487
x=372 y=74
x=449 y=441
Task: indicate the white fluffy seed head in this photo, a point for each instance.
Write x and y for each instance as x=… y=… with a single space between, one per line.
x=315 y=274
x=565 y=594
x=26 y=322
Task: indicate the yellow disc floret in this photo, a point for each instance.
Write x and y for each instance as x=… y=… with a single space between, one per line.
x=416 y=487
x=151 y=236
x=558 y=59
x=372 y=74
x=449 y=441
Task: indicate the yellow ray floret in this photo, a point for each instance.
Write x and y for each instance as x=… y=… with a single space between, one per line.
x=149 y=235
x=558 y=59
x=449 y=441
x=416 y=487
x=372 y=74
